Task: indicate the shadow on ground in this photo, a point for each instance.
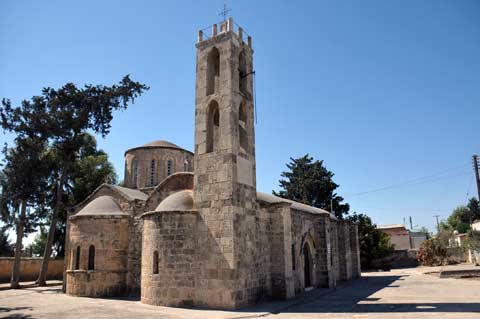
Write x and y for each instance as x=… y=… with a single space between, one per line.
x=355 y=298
x=6 y=310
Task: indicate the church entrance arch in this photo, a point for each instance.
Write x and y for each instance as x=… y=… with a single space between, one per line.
x=307 y=265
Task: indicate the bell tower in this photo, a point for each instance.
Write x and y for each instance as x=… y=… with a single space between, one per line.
x=224 y=175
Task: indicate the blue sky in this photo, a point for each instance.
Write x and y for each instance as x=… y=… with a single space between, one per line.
x=385 y=92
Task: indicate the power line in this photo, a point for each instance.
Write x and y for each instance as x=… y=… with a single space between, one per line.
x=415 y=181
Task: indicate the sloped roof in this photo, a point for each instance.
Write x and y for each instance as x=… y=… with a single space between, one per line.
x=272 y=199
x=158 y=144
x=179 y=201
x=102 y=206
x=390 y=226
x=130 y=193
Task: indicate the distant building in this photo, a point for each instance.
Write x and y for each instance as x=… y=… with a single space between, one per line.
x=476 y=225
x=416 y=239
x=402 y=238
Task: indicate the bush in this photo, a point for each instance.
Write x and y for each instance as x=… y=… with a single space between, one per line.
x=432 y=252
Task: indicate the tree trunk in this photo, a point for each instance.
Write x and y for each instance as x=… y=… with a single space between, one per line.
x=42 y=277
x=15 y=280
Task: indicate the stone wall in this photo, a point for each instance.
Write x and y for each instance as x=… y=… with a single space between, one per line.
x=173 y=236
x=334 y=253
x=279 y=238
x=30 y=268
x=110 y=237
x=160 y=155
x=133 y=208
x=355 y=251
x=344 y=251
x=170 y=185
x=313 y=230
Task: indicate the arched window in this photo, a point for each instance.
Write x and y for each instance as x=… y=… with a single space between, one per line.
x=77 y=259
x=242 y=127
x=213 y=71
x=155 y=262
x=213 y=127
x=135 y=173
x=169 y=167
x=152 y=172
x=185 y=165
x=242 y=72
x=91 y=257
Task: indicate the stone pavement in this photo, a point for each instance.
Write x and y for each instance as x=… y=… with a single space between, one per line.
x=407 y=293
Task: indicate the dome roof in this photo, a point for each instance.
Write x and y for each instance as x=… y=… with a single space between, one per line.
x=159 y=144
x=102 y=206
x=179 y=201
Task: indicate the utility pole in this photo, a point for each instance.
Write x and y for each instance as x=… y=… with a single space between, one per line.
x=477 y=178
x=438 y=225
x=411 y=224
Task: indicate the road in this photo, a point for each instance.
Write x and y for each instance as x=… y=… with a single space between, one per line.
x=407 y=293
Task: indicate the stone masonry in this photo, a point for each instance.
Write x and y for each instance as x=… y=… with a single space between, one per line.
x=191 y=229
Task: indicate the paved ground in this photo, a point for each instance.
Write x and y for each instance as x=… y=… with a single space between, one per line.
x=407 y=293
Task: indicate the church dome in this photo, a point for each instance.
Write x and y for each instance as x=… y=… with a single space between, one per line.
x=158 y=144
x=102 y=206
x=179 y=201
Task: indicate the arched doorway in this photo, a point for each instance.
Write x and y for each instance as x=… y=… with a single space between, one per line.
x=307 y=266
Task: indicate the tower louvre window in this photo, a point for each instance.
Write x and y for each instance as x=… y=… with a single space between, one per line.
x=242 y=127
x=213 y=71
x=213 y=127
x=242 y=72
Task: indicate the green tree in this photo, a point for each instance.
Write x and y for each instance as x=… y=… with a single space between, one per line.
x=460 y=219
x=38 y=245
x=474 y=207
x=5 y=245
x=309 y=182
x=374 y=244
x=65 y=115
x=24 y=178
x=90 y=169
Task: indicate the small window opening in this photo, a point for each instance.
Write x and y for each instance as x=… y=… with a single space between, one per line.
x=77 y=259
x=155 y=262
x=152 y=172
x=293 y=257
x=185 y=166
x=91 y=257
x=169 y=167
x=135 y=173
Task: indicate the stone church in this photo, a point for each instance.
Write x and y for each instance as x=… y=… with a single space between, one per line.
x=190 y=229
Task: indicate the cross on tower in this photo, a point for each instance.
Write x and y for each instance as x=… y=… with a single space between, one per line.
x=224 y=12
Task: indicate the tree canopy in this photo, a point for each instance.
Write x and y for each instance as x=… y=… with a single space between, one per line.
x=462 y=217
x=6 y=249
x=310 y=182
x=374 y=244
x=62 y=117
